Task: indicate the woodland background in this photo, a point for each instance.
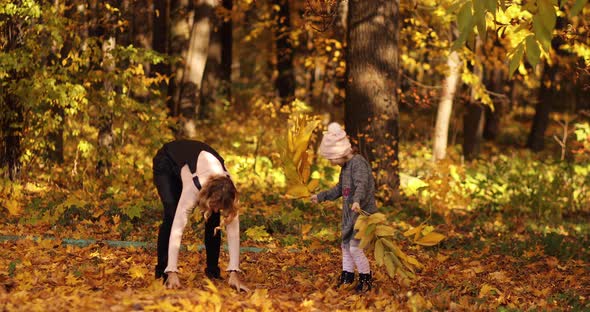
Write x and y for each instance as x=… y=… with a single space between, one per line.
x=474 y=114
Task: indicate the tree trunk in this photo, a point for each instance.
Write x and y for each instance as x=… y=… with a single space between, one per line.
x=445 y=107
x=141 y=26
x=188 y=77
x=285 y=82
x=11 y=150
x=56 y=152
x=474 y=118
x=12 y=111
x=181 y=20
x=492 y=117
x=536 y=139
x=105 y=118
x=217 y=77
x=226 y=51
x=105 y=123
x=371 y=107
x=473 y=122
x=160 y=34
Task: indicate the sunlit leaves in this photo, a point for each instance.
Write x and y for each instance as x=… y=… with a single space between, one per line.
x=430 y=239
x=411 y=185
x=13 y=206
x=295 y=158
x=533 y=52
x=537 y=18
x=490 y=5
x=258 y=234
x=10 y=196
x=577 y=8
x=544 y=23
x=516 y=58
x=465 y=22
x=374 y=232
x=25 y=9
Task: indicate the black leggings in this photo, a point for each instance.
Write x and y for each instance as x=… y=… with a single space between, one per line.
x=169 y=185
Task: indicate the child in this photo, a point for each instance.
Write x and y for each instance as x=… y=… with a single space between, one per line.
x=357 y=187
x=186 y=174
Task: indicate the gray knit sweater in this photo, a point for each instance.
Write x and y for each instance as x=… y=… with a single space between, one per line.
x=355 y=184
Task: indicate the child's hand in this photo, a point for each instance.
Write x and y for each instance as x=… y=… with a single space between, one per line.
x=172 y=282
x=356 y=207
x=314 y=199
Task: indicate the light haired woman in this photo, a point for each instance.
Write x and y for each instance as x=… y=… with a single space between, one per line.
x=187 y=174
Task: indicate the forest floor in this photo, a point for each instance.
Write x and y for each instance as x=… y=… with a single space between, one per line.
x=505 y=261
x=486 y=263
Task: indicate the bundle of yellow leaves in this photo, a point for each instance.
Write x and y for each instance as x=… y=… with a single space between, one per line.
x=376 y=234
x=295 y=158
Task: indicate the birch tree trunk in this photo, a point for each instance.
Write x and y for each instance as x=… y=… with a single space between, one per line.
x=191 y=29
x=445 y=107
x=216 y=83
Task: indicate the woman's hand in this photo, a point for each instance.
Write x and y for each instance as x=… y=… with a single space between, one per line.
x=234 y=281
x=314 y=199
x=356 y=207
x=172 y=282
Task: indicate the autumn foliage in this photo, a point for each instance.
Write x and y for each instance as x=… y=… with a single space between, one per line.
x=92 y=89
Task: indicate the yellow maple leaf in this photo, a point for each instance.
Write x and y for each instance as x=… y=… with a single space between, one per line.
x=298 y=191
x=163 y=305
x=430 y=239
x=138 y=271
x=414 y=231
x=441 y=258
x=13 y=207
x=72 y=280
x=307 y=303
x=486 y=289
x=259 y=297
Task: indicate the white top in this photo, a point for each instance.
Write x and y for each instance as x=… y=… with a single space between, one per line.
x=207 y=166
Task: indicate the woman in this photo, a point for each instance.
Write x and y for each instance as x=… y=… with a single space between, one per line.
x=190 y=173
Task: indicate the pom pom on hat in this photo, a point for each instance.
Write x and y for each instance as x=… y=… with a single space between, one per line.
x=335 y=143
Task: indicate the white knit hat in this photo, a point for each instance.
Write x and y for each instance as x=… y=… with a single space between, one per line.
x=335 y=143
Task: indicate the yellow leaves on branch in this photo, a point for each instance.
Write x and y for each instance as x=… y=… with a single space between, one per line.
x=374 y=232
x=10 y=195
x=295 y=158
x=258 y=234
x=424 y=235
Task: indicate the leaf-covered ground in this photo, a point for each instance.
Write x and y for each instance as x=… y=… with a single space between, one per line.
x=480 y=266
x=500 y=258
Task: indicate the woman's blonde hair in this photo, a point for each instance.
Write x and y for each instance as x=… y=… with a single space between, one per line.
x=219 y=191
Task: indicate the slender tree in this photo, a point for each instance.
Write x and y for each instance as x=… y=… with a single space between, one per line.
x=161 y=33
x=191 y=30
x=474 y=117
x=495 y=83
x=371 y=105
x=12 y=111
x=105 y=121
x=536 y=138
x=445 y=107
x=217 y=76
x=285 y=82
